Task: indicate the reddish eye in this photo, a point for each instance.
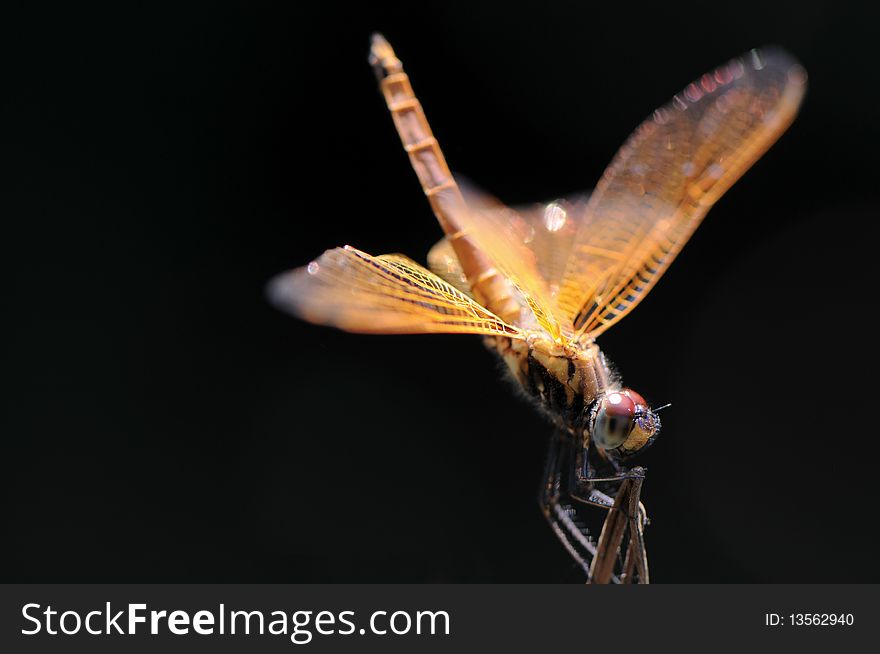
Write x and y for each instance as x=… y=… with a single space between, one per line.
x=635 y=397
x=619 y=405
x=613 y=420
x=622 y=422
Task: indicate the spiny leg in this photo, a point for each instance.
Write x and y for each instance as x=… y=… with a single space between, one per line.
x=568 y=476
x=574 y=537
x=561 y=513
x=490 y=288
x=584 y=477
x=623 y=530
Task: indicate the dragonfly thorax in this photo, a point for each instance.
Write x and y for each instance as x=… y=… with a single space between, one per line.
x=577 y=390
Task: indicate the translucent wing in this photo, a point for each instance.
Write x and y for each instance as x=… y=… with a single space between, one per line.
x=351 y=290
x=550 y=235
x=665 y=179
x=443 y=263
x=528 y=245
x=546 y=230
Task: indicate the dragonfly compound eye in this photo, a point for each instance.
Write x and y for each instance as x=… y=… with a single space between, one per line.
x=613 y=420
x=635 y=397
x=623 y=424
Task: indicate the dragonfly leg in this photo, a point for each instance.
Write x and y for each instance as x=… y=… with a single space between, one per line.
x=584 y=480
x=560 y=511
x=584 y=491
x=618 y=556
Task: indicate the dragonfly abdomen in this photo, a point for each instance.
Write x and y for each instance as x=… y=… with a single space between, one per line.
x=487 y=284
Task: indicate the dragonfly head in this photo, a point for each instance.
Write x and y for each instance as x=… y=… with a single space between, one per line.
x=622 y=424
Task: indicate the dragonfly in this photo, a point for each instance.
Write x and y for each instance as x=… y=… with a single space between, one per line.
x=540 y=283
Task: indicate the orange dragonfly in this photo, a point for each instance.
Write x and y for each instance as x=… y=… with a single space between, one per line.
x=541 y=283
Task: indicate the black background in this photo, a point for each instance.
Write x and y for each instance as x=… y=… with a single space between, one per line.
x=163 y=423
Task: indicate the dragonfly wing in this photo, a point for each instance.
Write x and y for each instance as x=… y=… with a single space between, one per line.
x=505 y=237
x=443 y=263
x=545 y=230
x=667 y=176
x=529 y=245
x=388 y=294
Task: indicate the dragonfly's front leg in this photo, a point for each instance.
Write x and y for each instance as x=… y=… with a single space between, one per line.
x=582 y=485
x=569 y=483
x=623 y=531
